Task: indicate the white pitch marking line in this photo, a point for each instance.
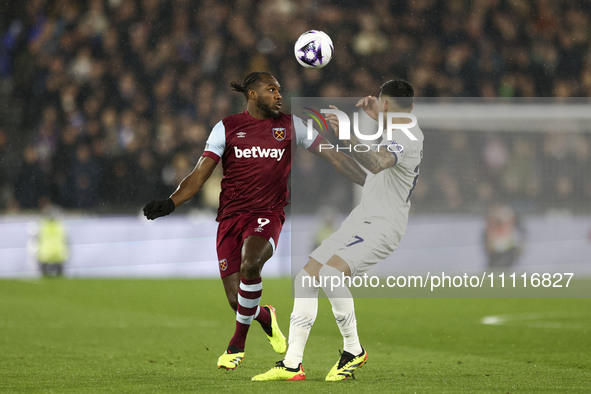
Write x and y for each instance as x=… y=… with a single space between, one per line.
x=540 y=320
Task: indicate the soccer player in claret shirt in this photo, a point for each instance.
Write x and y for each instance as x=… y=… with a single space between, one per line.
x=370 y=233
x=255 y=149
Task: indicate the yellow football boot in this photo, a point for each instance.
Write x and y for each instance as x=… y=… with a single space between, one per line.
x=230 y=360
x=346 y=365
x=281 y=372
x=276 y=339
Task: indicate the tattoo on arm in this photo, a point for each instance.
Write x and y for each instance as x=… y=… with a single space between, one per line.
x=374 y=161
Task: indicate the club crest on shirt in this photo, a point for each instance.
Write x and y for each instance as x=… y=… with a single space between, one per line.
x=223 y=264
x=279 y=133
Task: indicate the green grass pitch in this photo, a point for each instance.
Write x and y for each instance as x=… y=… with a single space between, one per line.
x=137 y=336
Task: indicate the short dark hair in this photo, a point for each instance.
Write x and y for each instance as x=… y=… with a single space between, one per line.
x=399 y=90
x=249 y=80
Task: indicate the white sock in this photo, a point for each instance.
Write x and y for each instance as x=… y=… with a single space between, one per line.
x=343 y=308
x=305 y=309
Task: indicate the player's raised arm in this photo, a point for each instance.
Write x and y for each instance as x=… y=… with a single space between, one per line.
x=188 y=187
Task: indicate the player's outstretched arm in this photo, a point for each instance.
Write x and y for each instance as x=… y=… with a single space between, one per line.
x=373 y=161
x=188 y=187
x=194 y=181
x=343 y=164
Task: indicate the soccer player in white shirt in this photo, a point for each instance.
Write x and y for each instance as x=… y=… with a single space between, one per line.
x=368 y=235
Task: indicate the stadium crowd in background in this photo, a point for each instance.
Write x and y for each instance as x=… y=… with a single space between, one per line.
x=105 y=102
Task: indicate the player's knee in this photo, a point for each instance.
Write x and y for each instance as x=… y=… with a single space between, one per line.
x=312 y=268
x=252 y=264
x=251 y=268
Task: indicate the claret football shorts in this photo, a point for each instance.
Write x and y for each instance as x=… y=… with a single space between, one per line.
x=232 y=232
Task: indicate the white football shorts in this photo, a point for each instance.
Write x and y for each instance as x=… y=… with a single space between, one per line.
x=361 y=243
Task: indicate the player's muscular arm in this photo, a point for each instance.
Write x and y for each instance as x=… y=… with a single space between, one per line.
x=343 y=164
x=374 y=161
x=194 y=181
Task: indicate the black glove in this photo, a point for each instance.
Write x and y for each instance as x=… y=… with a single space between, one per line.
x=157 y=208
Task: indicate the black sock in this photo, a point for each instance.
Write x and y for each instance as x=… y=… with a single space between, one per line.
x=234 y=349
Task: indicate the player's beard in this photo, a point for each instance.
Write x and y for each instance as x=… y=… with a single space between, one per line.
x=267 y=109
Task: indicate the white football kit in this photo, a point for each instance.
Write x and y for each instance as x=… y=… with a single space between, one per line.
x=373 y=230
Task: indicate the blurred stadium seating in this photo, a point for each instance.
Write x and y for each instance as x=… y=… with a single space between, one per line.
x=107 y=103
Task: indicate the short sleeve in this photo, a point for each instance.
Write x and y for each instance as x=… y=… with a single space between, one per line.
x=392 y=147
x=301 y=134
x=396 y=149
x=216 y=142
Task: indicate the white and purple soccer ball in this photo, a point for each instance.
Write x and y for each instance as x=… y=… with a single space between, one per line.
x=313 y=49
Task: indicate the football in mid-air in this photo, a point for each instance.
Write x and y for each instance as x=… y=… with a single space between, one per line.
x=313 y=49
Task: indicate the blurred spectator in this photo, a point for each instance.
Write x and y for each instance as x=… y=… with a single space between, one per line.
x=120 y=184
x=580 y=166
x=149 y=180
x=370 y=40
x=520 y=176
x=6 y=190
x=63 y=161
x=46 y=138
x=30 y=186
x=87 y=177
x=504 y=238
